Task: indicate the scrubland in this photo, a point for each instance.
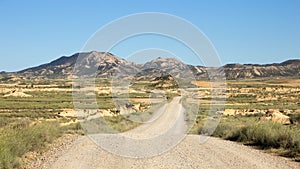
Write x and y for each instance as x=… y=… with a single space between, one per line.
x=35 y=113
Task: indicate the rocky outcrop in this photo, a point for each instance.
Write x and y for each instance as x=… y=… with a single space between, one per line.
x=266 y=115
x=17 y=93
x=280 y=118
x=233 y=112
x=276 y=117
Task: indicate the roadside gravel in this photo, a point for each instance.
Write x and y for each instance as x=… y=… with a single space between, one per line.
x=215 y=153
x=42 y=160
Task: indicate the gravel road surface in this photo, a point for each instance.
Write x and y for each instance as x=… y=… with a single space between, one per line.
x=215 y=153
x=189 y=153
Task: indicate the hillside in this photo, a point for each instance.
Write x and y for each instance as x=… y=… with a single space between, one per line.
x=287 y=68
x=108 y=64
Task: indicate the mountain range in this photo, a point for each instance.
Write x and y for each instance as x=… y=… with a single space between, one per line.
x=106 y=65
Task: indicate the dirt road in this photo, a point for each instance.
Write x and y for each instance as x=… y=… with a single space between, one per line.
x=189 y=153
x=215 y=153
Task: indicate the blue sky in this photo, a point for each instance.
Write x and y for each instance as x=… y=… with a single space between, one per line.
x=242 y=31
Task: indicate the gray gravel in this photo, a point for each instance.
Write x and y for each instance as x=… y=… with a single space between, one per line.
x=215 y=153
x=34 y=160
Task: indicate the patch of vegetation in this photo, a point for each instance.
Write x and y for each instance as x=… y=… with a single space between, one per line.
x=265 y=135
x=145 y=116
x=108 y=124
x=120 y=123
x=18 y=138
x=40 y=100
x=21 y=135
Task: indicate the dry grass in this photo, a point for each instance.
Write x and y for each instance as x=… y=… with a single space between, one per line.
x=18 y=138
x=262 y=134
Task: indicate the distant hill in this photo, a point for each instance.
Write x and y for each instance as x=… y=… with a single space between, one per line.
x=108 y=64
x=284 y=69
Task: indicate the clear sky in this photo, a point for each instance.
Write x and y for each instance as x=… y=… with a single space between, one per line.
x=242 y=31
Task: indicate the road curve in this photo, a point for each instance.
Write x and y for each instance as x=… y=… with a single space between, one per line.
x=149 y=139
